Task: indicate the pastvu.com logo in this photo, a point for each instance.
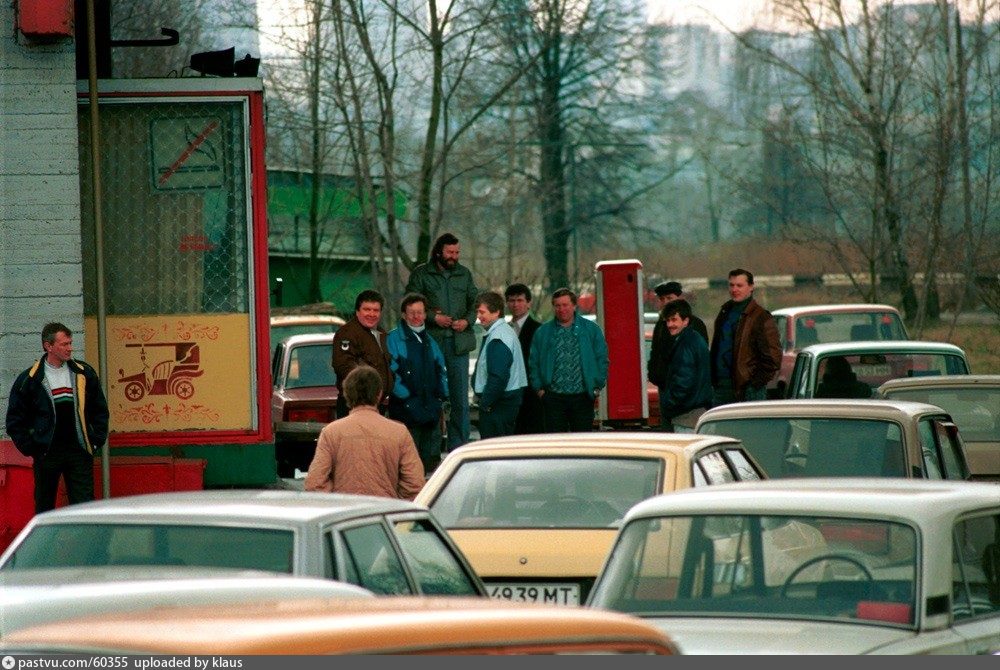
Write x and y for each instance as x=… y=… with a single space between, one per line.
x=7 y=662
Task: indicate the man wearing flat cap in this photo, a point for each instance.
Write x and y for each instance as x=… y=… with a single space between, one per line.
x=661 y=348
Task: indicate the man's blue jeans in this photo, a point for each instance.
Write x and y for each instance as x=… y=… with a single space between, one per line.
x=458 y=394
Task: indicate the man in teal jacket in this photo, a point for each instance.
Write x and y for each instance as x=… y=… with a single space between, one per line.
x=568 y=366
x=451 y=312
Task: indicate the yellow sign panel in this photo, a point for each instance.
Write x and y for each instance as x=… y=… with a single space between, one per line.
x=175 y=373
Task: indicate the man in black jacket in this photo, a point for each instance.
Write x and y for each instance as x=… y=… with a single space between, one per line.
x=518 y=296
x=58 y=416
x=662 y=344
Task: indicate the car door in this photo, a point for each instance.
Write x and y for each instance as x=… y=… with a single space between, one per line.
x=800 y=384
x=975 y=602
x=364 y=553
x=436 y=564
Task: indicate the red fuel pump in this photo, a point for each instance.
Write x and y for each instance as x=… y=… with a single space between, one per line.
x=620 y=314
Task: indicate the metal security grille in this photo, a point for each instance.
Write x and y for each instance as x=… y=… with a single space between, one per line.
x=175 y=207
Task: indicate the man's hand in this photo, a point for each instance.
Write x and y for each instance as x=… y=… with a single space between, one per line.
x=443 y=320
x=458 y=325
x=540 y=392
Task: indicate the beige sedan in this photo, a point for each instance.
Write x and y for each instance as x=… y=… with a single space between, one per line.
x=536 y=514
x=973 y=401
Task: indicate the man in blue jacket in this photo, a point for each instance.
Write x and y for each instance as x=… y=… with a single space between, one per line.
x=569 y=366
x=500 y=376
x=58 y=416
x=687 y=386
x=421 y=384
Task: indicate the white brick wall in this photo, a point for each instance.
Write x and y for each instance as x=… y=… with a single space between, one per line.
x=40 y=276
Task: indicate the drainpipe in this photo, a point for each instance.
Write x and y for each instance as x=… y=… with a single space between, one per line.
x=95 y=161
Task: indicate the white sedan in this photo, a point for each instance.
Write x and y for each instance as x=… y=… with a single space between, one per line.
x=840 y=566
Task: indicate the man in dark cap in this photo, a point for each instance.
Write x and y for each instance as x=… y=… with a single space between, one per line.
x=661 y=348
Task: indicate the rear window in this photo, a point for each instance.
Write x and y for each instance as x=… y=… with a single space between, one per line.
x=841 y=375
x=545 y=492
x=848 y=327
x=790 y=447
x=84 y=544
x=975 y=411
x=310 y=365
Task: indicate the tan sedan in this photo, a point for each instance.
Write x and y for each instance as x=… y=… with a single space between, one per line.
x=536 y=514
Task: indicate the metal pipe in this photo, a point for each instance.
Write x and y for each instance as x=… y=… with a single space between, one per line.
x=95 y=185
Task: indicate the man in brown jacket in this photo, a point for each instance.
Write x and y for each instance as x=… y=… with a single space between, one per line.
x=361 y=342
x=746 y=350
x=365 y=453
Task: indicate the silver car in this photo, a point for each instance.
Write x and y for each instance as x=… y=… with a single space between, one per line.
x=836 y=566
x=33 y=597
x=386 y=546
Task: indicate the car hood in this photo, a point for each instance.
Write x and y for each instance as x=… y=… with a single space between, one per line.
x=756 y=636
x=309 y=394
x=555 y=552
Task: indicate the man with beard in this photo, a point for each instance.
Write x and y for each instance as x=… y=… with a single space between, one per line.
x=451 y=302
x=361 y=342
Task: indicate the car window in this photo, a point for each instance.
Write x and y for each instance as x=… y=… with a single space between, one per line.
x=279 y=352
x=976 y=567
x=976 y=411
x=715 y=468
x=929 y=449
x=373 y=561
x=745 y=471
x=850 y=327
x=806 y=447
x=545 y=492
x=798 y=386
x=794 y=567
x=80 y=544
x=951 y=450
x=874 y=369
x=433 y=565
x=782 y=323
x=310 y=365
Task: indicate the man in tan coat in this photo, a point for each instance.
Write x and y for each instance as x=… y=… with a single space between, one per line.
x=365 y=453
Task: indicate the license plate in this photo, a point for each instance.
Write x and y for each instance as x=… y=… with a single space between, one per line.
x=552 y=594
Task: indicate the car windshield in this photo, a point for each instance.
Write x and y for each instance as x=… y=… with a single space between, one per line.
x=545 y=492
x=976 y=411
x=841 y=375
x=65 y=545
x=310 y=365
x=798 y=567
x=848 y=327
x=814 y=447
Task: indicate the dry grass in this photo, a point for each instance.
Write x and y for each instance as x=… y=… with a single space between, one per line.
x=981 y=343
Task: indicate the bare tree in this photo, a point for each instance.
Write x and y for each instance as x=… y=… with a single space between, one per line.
x=577 y=56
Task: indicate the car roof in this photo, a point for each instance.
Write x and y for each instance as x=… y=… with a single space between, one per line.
x=308 y=338
x=558 y=444
x=883 y=346
x=195 y=506
x=305 y=319
x=826 y=309
x=36 y=596
x=860 y=409
x=318 y=626
x=880 y=497
x=951 y=381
